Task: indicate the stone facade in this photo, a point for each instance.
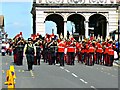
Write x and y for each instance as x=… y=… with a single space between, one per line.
x=43 y=8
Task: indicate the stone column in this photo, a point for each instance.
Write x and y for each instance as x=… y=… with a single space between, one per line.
x=107 y=33
x=40 y=22
x=65 y=28
x=86 y=29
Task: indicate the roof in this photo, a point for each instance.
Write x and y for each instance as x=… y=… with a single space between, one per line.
x=1 y=21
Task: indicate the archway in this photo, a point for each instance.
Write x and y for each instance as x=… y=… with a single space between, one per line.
x=99 y=24
x=78 y=23
x=58 y=19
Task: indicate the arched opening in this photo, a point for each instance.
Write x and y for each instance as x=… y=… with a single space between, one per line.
x=78 y=26
x=58 y=23
x=98 y=23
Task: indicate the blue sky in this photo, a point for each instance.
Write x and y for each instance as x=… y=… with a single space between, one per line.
x=19 y=19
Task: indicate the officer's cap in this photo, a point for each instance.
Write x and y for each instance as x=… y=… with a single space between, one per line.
x=29 y=39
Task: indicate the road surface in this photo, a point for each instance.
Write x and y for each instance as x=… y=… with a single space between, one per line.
x=55 y=76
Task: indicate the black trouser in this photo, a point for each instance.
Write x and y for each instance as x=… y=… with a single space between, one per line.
x=91 y=59
x=61 y=54
x=38 y=57
x=111 y=60
x=99 y=58
x=45 y=55
x=53 y=57
x=20 y=58
x=30 y=61
x=71 y=58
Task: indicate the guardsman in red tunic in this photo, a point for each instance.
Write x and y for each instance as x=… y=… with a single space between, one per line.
x=61 y=48
x=71 y=53
x=99 y=52
x=82 y=52
x=86 y=54
x=78 y=48
x=91 y=55
x=111 y=55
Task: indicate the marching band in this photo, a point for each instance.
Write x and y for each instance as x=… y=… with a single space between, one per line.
x=55 y=50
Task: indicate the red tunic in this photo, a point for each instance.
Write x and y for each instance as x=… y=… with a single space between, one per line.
x=61 y=47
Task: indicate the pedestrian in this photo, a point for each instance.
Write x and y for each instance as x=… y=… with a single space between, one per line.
x=30 y=51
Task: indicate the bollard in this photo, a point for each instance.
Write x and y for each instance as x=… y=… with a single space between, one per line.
x=10 y=78
x=7 y=77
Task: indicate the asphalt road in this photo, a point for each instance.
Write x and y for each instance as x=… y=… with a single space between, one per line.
x=55 y=76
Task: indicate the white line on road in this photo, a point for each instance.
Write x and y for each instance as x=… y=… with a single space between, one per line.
x=67 y=70
x=19 y=70
x=31 y=73
x=83 y=81
x=101 y=71
x=108 y=73
x=74 y=75
x=62 y=67
x=57 y=64
x=93 y=87
x=114 y=76
x=23 y=71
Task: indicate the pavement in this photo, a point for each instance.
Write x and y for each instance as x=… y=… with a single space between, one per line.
x=55 y=76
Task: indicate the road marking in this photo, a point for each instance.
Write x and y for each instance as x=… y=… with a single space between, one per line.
x=83 y=81
x=23 y=71
x=108 y=73
x=102 y=68
x=67 y=70
x=93 y=87
x=31 y=73
x=57 y=64
x=74 y=75
x=114 y=76
x=101 y=71
x=62 y=67
x=19 y=70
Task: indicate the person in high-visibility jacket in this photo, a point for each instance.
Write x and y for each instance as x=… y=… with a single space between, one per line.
x=61 y=48
x=71 y=53
x=111 y=55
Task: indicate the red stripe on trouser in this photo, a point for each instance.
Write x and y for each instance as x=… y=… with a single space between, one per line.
x=15 y=58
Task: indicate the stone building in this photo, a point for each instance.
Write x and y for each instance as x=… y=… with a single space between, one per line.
x=98 y=17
